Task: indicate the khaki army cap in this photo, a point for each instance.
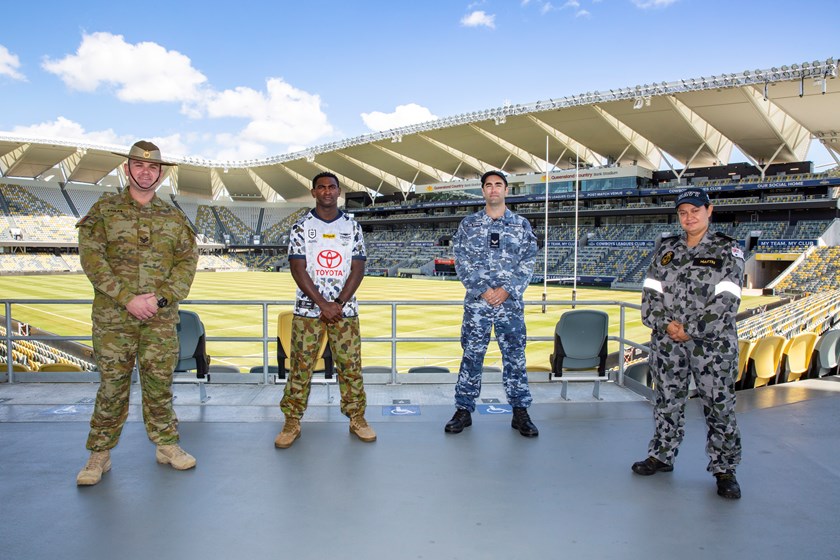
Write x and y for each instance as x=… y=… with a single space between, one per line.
x=145 y=151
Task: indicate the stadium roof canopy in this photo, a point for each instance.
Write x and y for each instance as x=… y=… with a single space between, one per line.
x=771 y=115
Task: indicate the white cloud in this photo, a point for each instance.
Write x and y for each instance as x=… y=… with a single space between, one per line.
x=572 y=4
x=403 y=115
x=582 y=13
x=547 y=7
x=282 y=114
x=645 y=4
x=9 y=64
x=63 y=128
x=234 y=148
x=172 y=145
x=142 y=72
x=479 y=18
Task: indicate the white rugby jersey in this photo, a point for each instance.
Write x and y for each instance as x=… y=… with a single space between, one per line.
x=329 y=248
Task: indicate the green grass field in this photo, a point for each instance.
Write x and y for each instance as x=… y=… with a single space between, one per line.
x=246 y=321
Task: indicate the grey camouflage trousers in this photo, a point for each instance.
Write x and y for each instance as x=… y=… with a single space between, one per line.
x=714 y=365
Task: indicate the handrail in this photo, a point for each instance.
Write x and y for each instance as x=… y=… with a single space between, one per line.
x=393 y=339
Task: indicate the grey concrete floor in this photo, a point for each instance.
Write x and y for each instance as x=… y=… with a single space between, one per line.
x=417 y=492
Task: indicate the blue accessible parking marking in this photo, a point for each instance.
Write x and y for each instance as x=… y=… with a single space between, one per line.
x=494 y=409
x=401 y=410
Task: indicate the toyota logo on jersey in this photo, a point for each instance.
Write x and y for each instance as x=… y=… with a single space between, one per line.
x=330 y=260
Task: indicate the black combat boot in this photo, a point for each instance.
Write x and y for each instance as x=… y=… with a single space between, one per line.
x=650 y=466
x=522 y=422
x=727 y=486
x=460 y=420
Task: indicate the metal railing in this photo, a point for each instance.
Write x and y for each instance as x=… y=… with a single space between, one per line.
x=393 y=339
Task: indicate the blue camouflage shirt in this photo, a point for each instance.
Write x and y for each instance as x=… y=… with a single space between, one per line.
x=495 y=253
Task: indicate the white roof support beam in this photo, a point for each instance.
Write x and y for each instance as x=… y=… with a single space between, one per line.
x=307 y=184
x=763 y=166
x=217 y=186
x=418 y=165
x=346 y=181
x=645 y=148
x=9 y=160
x=269 y=194
x=585 y=155
x=70 y=163
x=718 y=144
x=400 y=184
x=526 y=157
x=794 y=137
x=475 y=163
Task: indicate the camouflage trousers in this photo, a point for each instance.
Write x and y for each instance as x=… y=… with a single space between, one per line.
x=508 y=322
x=714 y=366
x=154 y=346
x=346 y=347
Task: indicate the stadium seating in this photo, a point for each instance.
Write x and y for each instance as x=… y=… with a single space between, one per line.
x=798 y=352
x=580 y=343
x=828 y=353
x=766 y=358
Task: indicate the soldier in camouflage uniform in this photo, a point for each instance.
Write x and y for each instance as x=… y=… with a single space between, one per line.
x=140 y=255
x=495 y=251
x=690 y=300
x=327 y=261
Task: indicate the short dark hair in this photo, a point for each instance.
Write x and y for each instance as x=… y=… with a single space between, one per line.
x=492 y=172
x=323 y=174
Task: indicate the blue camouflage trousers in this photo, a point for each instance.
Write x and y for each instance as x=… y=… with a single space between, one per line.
x=508 y=321
x=714 y=366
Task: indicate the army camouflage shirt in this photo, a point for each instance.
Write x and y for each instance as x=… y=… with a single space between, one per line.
x=699 y=286
x=127 y=249
x=495 y=253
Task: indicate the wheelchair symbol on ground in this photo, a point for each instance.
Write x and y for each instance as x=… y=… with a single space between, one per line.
x=401 y=410
x=494 y=409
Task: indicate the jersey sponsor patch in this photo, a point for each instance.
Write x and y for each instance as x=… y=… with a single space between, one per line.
x=328 y=235
x=737 y=252
x=708 y=261
x=667 y=258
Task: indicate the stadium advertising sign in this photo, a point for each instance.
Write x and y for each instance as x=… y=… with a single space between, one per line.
x=588 y=174
x=555 y=243
x=786 y=243
x=451 y=186
x=622 y=244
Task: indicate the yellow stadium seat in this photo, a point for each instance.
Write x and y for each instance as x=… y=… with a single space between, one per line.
x=59 y=367
x=766 y=357
x=284 y=345
x=799 y=350
x=745 y=348
x=15 y=367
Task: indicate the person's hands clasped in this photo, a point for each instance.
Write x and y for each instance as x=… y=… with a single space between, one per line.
x=331 y=312
x=143 y=306
x=495 y=296
x=676 y=331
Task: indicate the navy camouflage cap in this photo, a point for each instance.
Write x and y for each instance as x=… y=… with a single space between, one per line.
x=145 y=151
x=696 y=197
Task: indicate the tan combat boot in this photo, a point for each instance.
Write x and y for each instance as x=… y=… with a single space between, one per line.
x=360 y=427
x=175 y=456
x=97 y=464
x=290 y=432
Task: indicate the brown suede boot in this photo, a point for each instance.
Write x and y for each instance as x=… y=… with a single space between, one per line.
x=175 y=456
x=360 y=427
x=290 y=432
x=97 y=464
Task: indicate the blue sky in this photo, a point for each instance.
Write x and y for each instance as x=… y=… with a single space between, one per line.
x=240 y=80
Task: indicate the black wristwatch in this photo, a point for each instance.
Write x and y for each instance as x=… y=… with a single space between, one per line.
x=339 y=301
x=162 y=302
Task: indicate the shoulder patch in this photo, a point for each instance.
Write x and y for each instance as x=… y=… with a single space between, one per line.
x=737 y=252
x=724 y=236
x=82 y=221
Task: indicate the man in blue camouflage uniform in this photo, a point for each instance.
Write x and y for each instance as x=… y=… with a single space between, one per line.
x=495 y=251
x=690 y=299
x=140 y=255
